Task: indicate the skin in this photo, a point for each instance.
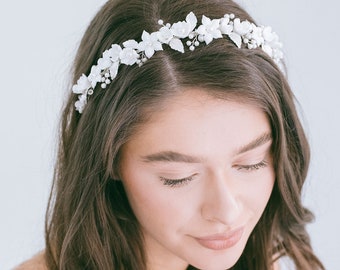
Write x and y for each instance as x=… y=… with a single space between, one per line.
x=198 y=176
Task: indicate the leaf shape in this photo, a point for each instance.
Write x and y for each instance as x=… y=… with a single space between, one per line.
x=114 y=70
x=192 y=20
x=236 y=38
x=177 y=45
x=149 y=52
x=208 y=38
x=205 y=20
x=157 y=46
x=145 y=36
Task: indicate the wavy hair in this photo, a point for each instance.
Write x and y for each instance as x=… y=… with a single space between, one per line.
x=89 y=222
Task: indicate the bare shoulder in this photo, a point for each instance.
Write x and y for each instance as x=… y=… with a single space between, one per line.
x=37 y=262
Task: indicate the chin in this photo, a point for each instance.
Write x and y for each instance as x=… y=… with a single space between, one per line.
x=221 y=262
x=215 y=266
x=218 y=260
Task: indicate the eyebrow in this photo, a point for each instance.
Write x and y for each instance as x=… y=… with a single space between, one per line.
x=261 y=140
x=171 y=156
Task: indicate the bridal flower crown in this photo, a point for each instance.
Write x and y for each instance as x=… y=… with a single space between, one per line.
x=132 y=52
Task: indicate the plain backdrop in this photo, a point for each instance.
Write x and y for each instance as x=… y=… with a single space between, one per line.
x=38 y=43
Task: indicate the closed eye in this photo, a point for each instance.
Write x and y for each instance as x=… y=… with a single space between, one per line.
x=252 y=167
x=177 y=182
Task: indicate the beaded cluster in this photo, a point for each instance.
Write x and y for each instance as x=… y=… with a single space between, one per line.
x=132 y=52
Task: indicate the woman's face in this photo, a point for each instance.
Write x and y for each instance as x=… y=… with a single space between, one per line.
x=198 y=176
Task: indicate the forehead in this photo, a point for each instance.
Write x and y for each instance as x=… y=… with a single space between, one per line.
x=194 y=119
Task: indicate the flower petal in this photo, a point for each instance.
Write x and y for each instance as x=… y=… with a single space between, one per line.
x=201 y=30
x=145 y=36
x=157 y=46
x=82 y=84
x=208 y=38
x=131 y=44
x=205 y=20
x=104 y=63
x=149 y=52
x=164 y=35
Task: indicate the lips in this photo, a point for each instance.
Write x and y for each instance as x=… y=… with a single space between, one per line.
x=221 y=241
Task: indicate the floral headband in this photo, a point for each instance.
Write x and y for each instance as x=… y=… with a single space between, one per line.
x=133 y=52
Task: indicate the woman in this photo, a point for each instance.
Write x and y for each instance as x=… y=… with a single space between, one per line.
x=180 y=145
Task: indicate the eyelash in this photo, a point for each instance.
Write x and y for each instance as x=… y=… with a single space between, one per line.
x=186 y=180
x=177 y=182
x=253 y=167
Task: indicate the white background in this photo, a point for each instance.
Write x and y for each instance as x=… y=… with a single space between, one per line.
x=37 y=45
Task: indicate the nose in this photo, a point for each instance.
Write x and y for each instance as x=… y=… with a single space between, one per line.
x=220 y=202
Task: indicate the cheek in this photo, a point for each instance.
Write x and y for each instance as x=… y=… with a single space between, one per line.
x=256 y=195
x=154 y=205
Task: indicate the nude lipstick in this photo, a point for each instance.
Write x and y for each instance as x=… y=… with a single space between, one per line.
x=221 y=241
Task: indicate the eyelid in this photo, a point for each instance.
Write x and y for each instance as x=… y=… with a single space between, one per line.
x=252 y=167
x=177 y=182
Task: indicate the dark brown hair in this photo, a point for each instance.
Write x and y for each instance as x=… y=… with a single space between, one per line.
x=89 y=223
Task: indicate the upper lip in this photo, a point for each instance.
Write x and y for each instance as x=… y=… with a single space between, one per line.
x=220 y=236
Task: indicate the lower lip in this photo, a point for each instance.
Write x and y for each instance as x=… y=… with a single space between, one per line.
x=221 y=243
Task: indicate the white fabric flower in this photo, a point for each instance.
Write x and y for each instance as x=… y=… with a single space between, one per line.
x=242 y=28
x=181 y=29
x=149 y=44
x=113 y=52
x=209 y=29
x=184 y=28
x=268 y=35
x=82 y=85
x=104 y=63
x=80 y=103
x=165 y=35
x=95 y=76
x=257 y=35
x=270 y=38
x=133 y=44
x=225 y=27
x=128 y=56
